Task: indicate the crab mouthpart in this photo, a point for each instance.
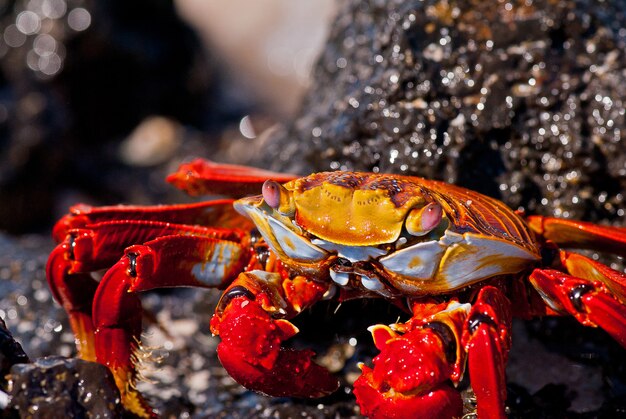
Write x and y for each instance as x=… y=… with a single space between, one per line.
x=283 y=237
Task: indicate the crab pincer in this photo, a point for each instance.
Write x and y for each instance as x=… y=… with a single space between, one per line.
x=419 y=361
x=409 y=376
x=251 y=347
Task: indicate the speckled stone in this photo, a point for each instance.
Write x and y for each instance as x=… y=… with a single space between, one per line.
x=11 y=351
x=522 y=100
x=58 y=387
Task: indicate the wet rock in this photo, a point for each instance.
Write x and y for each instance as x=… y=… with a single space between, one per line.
x=60 y=387
x=523 y=101
x=11 y=351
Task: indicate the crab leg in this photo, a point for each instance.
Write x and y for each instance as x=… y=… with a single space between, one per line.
x=168 y=261
x=251 y=321
x=487 y=340
x=594 y=293
x=74 y=291
x=411 y=375
x=589 y=301
x=580 y=234
x=202 y=177
x=210 y=213
x=586 y=268
x=97 y=247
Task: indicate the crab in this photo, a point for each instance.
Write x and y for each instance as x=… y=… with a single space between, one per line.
x=460 y=264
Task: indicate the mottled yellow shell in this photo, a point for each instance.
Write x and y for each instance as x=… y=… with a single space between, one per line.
x=368 y=209
x=354 y=208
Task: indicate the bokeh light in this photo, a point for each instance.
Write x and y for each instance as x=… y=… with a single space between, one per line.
x=44 y=26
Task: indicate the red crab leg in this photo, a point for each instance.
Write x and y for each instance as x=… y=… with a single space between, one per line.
x=579 y=234
x=487 y=340
x=210 y=213
x=74 y=291
x=251 y=321
x=586 y=268
x=590 y=302
x=168 y=261
x=203 y=177
x=98 y=247
x=410 y=377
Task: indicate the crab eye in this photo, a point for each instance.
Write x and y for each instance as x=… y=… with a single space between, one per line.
x=271 y=193
x=422 y=220
x=277 y=197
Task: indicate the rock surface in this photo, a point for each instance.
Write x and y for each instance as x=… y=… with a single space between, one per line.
x=521 y=100
x=11 y=351
x=59 y=387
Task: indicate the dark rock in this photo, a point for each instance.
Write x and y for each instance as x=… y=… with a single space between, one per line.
x=57 y=387
x=11 y=352
x=523 y=101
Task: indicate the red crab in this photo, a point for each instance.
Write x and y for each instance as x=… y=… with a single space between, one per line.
x=461 y=263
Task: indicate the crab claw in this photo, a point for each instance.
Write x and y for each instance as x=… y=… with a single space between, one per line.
x=251 y=352
x=409 y=378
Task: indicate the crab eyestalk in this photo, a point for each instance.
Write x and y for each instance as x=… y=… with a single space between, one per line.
x=421 y=221
x=279 y=198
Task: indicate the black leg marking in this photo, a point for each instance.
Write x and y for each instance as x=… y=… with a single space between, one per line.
x=447 y=337
x=477 y=319
x=234 y=292
x=575 y=296
x=132 y=267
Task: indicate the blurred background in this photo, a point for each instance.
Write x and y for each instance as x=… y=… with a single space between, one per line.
x=99 y=100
